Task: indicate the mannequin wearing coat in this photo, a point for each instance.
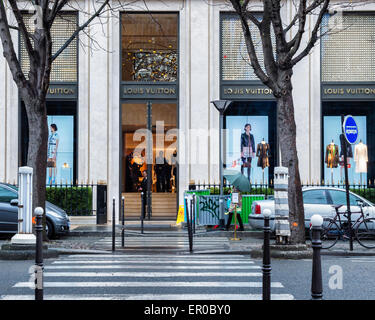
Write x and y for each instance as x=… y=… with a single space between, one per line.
x=360 y=157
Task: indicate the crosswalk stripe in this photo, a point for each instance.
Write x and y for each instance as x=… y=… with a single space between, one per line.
x=163 y=262
x=150 y=267
x=152 y=297
x=151 y=274
x=153 y=256
x=147 y=284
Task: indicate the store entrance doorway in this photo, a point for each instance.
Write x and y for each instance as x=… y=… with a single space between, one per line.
x=149 y=149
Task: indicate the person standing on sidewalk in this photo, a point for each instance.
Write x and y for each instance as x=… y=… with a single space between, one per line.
x=232 y=209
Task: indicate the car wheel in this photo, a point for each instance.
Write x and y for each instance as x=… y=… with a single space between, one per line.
x=49 y=229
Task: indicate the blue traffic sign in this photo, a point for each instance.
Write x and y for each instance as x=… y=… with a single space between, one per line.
x=350 y=129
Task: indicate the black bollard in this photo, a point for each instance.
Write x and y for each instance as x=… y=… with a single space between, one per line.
x=114 y=225
x=123 y=223
x=266 y=256
x=194 y=213
x=316 y=281
x=143 y=211
x=39 y=254
x=188 y=225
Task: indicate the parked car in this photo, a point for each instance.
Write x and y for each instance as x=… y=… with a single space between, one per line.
x=57 y=221
x=316 y=200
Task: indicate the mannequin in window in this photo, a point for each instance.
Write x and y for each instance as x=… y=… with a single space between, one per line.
x=332 y=155
x=247 y=149
x=360 y=157
x=263 y=153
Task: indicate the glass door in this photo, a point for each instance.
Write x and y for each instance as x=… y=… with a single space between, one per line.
x=149 y=135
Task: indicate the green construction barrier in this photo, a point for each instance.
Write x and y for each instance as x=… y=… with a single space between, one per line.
x=247 y=201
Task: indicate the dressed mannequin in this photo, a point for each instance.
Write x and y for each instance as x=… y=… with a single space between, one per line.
x=247 y=149
x=263 y=153
x=332 y=157
x=360 y=158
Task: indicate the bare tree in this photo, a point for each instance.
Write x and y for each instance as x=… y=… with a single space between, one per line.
x=33 y=87
x=279 y=61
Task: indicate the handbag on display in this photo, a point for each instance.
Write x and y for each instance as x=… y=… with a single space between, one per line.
x=50 y=163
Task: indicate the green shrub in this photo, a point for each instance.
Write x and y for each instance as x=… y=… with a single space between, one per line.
x=76 y=201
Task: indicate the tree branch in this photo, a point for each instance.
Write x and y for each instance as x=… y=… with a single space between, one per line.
x=314 y=34
x=79 y=29
x=9 y=52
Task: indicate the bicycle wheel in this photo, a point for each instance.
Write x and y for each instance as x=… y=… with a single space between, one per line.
x=365 y=233
x=330 y=233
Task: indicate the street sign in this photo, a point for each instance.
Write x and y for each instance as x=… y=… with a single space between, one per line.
x=350 y=129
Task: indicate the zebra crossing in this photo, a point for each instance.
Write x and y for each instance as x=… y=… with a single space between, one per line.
x=174 y=243
x=150 y=277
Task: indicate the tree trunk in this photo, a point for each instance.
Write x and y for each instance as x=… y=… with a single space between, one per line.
x=37 y=151
x=288 y=147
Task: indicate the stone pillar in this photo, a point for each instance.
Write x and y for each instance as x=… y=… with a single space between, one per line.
x=282 y=228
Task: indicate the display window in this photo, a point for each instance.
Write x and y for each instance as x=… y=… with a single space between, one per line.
x=60 y=150
x=62 y=142
x=360 y=154
x=334 y=152
x=250 y=140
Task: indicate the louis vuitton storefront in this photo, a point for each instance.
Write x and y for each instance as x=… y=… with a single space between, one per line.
x=149 y=112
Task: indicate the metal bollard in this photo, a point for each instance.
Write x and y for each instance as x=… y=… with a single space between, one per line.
x=123 y=223
x=39 y=254
x=114 y=225
x=194 y=213
x=266 y=256
x=316 y=281
x=188 y=225
x=142 y=211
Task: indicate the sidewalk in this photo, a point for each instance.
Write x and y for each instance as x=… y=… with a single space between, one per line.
x=85 y=234
x=251 y=240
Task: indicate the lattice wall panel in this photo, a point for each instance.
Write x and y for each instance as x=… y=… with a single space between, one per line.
x=235 y=59
x=348 y=48
x=64 y=68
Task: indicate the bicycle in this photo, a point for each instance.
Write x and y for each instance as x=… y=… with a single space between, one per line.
x=363 y=229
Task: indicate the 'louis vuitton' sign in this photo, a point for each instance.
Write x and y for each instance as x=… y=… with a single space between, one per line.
x=149 y=91
x=358 y=91
x=62 y=91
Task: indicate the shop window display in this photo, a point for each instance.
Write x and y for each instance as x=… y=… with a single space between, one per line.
x=334 y=144
x=60 y=152
x=247 y=147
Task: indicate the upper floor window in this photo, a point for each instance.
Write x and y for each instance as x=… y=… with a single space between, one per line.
x=348 y=47
x=64 y=67
x=235 y=62
x=149 y=46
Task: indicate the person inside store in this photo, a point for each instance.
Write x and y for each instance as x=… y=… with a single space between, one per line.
x=143 y=188
x=160 y=172
x=247 y=149
x=174 y=169
x=233 y=208
x=129 y=184
x=167 y=176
